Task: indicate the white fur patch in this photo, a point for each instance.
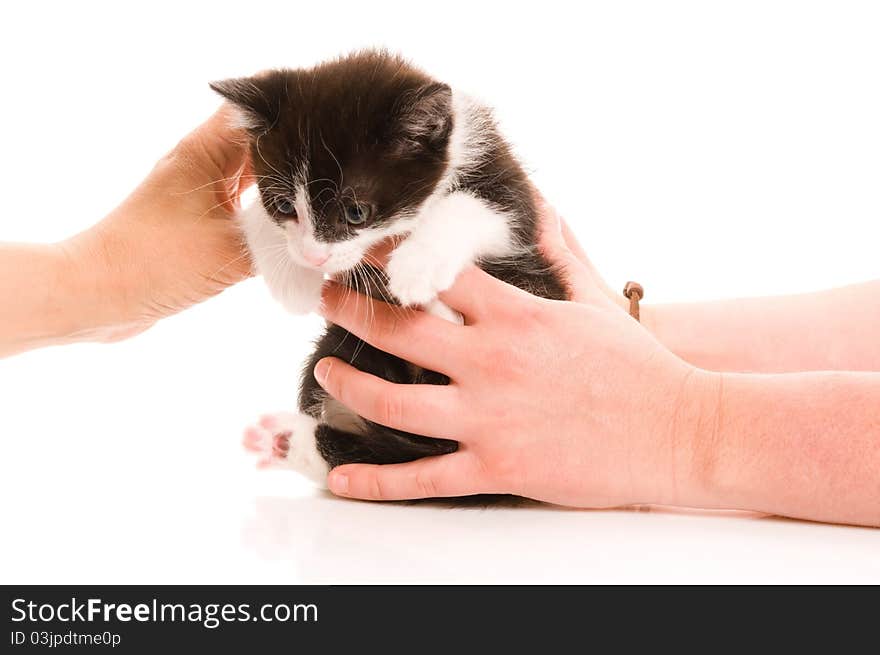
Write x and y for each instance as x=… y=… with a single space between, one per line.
x=440 y=309
x=303 y=456
x=471 y=135
x=296 y=287
x=453 y=228
x=240 y=119
x=338 y=416
x=451 y=232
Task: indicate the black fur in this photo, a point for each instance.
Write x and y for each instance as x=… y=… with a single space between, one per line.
x=383 y=127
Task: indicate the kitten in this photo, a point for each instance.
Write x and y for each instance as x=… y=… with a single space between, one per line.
x=348 y=154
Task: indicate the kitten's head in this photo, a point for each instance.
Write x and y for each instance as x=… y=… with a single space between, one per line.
x=344 y=153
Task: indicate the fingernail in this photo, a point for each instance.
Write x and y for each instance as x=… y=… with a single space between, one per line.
x=322 y=370
x=338 y=483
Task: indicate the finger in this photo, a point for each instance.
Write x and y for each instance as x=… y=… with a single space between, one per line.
x=584 y=284
x=475 y=295
x=432 y=477
x=221 y=139
x=575 y=248
x=555 y=247
x=246 y=176
x=556 y=235
x=550 y=229
x=429 y=409
x=572 y=243
x=413 y=335
x=239 y=182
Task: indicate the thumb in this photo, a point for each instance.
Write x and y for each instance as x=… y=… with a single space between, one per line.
x=584 y=284
x=443 y=476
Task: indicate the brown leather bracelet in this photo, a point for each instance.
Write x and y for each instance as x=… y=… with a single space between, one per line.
x=634 y=292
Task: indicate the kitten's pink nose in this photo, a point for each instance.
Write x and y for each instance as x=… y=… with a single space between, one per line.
x=316 y=258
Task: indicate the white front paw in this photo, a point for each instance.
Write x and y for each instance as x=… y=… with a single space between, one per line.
x=415 y=276
x=298 y=289
x=300 y=299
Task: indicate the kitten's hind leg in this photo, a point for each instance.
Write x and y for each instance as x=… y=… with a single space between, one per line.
x=377 y=445
x=285 y=440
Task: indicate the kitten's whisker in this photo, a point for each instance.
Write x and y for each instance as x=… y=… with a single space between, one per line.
x=265 y=161
x=321 y=193
x=374 y=269
x=321 y=179
x=244 y=254
x=206 y=184
x=215 y=206
x=274 y=246
x=357 y=299
x=338 y=165
x=247 y=252
x=280 y=262
x=360 y=346
x=345 y=299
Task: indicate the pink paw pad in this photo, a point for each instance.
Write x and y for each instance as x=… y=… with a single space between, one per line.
x=269 y=422
x=268 y=441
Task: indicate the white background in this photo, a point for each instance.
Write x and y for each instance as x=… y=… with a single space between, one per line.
x=706 y=149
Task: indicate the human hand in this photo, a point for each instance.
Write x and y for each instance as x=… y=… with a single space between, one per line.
x=170 y=244
x=567 y=402
x=561 y=247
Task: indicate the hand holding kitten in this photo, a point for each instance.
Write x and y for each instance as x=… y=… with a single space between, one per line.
x=577 y=404
x=570 y=403
x=598 y=425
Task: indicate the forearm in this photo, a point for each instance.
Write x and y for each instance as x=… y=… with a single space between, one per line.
x=29 y=278
x=49 y=297
x=801 y=445
x=830 y=330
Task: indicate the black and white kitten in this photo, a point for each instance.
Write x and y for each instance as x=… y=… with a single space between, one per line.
x=347 y=154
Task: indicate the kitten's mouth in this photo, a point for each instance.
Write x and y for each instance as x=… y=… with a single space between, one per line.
x=332 y=272
x=312 y=261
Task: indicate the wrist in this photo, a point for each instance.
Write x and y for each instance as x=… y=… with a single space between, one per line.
x=32 y=317
x=93 y=287
x=656 y=320
x=694 y=436
x=679 y=329
x=647 y=317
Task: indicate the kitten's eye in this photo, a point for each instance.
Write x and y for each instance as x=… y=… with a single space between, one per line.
x=357 y=213
x=285 y=207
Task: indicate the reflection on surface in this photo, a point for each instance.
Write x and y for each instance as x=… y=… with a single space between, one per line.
x=320 y=539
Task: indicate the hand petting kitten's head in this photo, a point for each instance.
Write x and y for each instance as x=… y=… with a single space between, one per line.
x=344 y=153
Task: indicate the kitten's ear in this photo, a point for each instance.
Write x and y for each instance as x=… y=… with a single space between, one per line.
x=424 y=117
x=252 y=95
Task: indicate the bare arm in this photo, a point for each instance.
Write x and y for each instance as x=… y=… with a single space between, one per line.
x=35 y=312
x=805 y=445
x=170 y=244
x=834 y=330
x=52 y=296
